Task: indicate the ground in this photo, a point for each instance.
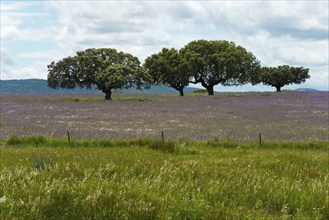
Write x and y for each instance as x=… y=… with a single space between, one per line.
x=285 y=116
x=210 y=165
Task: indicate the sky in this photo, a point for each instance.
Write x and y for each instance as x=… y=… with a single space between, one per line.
x=35 y=33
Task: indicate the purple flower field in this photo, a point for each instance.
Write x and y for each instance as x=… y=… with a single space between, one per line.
x=285 y=116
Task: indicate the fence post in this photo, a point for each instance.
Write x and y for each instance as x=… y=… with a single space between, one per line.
x=68 y=136
x=162 y=136
x=260 y=139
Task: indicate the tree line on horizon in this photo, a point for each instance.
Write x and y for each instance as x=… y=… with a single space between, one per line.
x=206 y=62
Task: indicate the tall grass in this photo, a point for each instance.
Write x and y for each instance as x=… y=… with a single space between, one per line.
x=44 y=178
x=40 y=141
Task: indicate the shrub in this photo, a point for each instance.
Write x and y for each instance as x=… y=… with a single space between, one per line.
x=34 y=141
x=200 y=91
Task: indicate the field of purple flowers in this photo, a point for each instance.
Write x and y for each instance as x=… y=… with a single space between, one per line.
x=285 y=116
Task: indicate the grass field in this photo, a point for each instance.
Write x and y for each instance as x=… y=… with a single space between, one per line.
x=43 y=178
x=210 y=166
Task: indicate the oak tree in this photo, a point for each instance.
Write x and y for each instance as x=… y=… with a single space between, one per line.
x=219 y=62
x=105 y=68
x=283 y=75
x=167 y=68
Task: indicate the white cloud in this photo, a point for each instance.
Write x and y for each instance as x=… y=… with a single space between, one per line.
x=5 y=58
x=34 y=70
x=11 y=68
x=13 y=17
x=280 y=18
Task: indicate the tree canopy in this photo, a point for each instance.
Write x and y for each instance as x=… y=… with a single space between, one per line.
x=166 y=67
x=206 y=62
x=219 y=62
x=104 y=67
x=283 y=75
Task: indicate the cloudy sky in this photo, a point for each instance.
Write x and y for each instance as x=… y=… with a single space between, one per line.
x=34 y=33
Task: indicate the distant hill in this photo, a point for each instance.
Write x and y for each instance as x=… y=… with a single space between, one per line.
x=308 y=90
x=40 y=86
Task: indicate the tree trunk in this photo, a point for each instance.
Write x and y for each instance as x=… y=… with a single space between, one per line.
x=108 y=94
x=181 y=91
x=278 y=88
x=210 y=90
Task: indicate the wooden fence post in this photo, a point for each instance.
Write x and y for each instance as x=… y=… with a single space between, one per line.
x=162 y=137
x=68 y=137
x=260 y=139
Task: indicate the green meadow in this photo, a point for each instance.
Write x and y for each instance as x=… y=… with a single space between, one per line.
x=44 y=178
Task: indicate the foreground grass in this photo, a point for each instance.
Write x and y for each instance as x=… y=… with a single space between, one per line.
x=145 y=179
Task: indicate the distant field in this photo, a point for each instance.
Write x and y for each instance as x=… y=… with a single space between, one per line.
x=44 y=178
x=286 y=116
